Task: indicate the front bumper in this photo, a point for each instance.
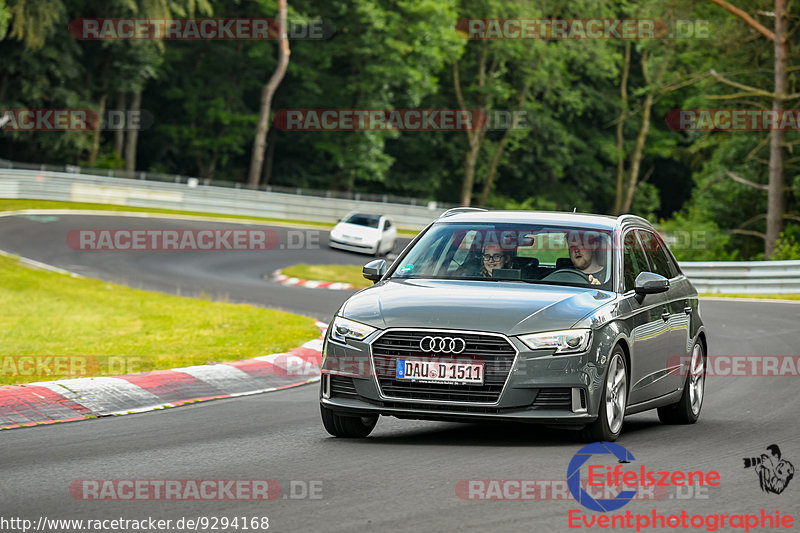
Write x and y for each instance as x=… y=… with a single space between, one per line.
x=540 y=388
x=352 y=247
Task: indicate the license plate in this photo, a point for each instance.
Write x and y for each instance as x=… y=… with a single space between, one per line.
x=440 y=372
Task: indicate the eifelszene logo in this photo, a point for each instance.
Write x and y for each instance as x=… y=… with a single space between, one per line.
x=774 y=473
x=574 y=476
x=622 y=477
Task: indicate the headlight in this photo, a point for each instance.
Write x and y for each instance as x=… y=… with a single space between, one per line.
x=343 y=329
x=566 y=341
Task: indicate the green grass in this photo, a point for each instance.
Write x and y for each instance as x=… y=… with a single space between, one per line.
x=13 y=205
x=756 y=296
x=339 y=273
x=109 y=329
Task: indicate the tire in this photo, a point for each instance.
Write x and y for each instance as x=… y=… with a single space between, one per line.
x=352 y=427
x=613 y=402
x=687 y=409
x=378 y=249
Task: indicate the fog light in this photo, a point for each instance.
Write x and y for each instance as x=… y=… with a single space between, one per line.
x=578 y=400
x=326 y=386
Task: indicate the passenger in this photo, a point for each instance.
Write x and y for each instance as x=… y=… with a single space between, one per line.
x=494 y=257
x=584 y=258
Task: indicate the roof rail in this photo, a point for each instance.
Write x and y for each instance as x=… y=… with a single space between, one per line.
x=457 y=210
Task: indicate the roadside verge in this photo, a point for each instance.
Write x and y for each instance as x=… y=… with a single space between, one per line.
x=76 y=399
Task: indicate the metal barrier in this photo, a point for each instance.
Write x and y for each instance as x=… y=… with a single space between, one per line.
x=744 y=277
x=191 y=196
x=177 y=178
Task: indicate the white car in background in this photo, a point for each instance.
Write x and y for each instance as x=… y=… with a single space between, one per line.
x=361 y=232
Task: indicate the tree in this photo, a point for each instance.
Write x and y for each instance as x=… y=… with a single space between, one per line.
x=384 y=55
x=779 y=96
x=534 y=76
x=260 y=141
x=4 y=18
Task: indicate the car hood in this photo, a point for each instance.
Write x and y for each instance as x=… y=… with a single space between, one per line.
x=355 y=230
x=511 y=308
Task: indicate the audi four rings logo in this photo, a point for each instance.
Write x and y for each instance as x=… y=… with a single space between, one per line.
x=442 y=344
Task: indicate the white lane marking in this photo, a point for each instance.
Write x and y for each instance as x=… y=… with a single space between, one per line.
x=226 y=378
x=39 y=264
x=271 y=357
x=315 y=344
x=105 y=395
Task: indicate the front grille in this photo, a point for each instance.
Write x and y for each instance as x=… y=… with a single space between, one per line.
x=553 y=399
x=494 y=351
x=342 y=386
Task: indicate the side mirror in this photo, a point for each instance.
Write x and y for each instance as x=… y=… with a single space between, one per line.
x=650 y=283
x=374 y=270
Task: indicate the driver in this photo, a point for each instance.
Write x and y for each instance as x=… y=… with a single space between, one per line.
x=494 y=257
x=584 y=258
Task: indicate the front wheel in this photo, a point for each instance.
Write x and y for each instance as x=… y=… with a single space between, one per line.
x=353 y=427
x=613 y=402
x=687 y=409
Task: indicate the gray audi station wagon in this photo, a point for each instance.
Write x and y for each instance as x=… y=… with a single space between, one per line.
x=563 y=319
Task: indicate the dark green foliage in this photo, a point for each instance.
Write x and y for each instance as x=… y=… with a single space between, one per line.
x=399 y=54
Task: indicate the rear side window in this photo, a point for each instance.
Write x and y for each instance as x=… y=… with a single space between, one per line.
x=634 y=260
x=658 y=256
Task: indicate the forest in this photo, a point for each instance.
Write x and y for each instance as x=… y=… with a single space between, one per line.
x=688 y=119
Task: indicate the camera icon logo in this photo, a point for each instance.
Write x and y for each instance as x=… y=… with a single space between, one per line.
x=774 y=473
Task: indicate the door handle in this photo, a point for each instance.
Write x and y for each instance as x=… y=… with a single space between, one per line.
x=687 y=310
x=665 y=315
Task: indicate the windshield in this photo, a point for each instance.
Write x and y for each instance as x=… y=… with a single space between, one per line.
x=371 y=221
x=559 y=255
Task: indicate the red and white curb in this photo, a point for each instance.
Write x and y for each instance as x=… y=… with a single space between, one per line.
x=283 y=279
x=78 y=399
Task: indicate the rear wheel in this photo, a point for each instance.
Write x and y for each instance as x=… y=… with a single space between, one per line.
x=353 y=427
x=613 y=402
x=378 y=249
x=687 y=409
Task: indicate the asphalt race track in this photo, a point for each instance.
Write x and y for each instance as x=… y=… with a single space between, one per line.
x=234 y=276
x=404 y=477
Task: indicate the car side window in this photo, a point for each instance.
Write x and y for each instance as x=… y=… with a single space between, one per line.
x=387 y=224
x=658 y=257
x=673 y=264
x=634 y=260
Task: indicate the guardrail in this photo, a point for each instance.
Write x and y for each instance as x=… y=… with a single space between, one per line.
x=744 y=277
x=177 y=178
x=192 y=196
